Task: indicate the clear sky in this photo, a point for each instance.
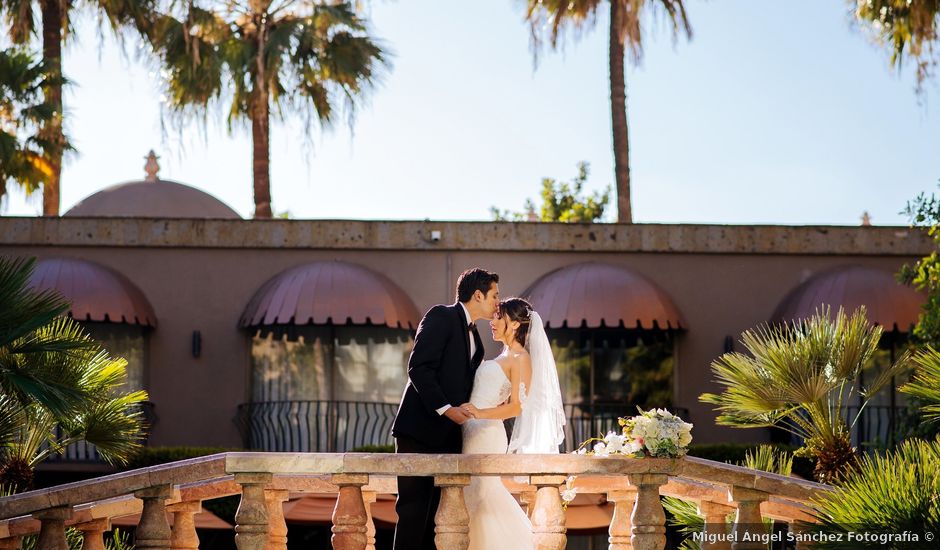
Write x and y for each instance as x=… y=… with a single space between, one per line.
x=775 y=112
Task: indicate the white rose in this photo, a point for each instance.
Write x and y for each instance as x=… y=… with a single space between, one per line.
x=600 y=449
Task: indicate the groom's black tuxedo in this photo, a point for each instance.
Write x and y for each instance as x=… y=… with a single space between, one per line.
x=440 y=372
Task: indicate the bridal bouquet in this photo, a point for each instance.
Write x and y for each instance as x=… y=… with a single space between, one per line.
x=654 y=433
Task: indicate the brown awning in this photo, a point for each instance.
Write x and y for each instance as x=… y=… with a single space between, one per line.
x=330 y=293
x=96 y=293
x=889 y=304
x=595 y=294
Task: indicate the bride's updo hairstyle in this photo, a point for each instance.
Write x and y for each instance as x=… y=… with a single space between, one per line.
x=517 y=309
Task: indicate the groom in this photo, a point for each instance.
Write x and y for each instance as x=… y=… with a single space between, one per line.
x=446 y=353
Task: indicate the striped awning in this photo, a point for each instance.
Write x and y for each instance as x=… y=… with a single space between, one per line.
x=330 y=292
x=97 y=293
x=890 y=304
x=595 y=295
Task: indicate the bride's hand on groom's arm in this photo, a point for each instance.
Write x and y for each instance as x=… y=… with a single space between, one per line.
x=470 y=409
x=458 y=415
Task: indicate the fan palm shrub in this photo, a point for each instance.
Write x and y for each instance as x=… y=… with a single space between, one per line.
x=894 y=493
x=798 y=376
x=57 y=385
x=925 y=383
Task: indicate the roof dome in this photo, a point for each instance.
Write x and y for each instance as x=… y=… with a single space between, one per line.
x=152 y=198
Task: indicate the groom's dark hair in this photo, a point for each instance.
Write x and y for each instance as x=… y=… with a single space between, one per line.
x=473 y=280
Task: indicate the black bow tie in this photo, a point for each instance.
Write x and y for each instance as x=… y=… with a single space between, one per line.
x=472 y=327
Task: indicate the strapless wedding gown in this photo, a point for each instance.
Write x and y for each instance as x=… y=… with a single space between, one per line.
x=496 y=519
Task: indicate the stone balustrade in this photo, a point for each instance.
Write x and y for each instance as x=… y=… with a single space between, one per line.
x=265 y=481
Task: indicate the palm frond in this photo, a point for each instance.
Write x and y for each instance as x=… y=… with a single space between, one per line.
x=925 y=384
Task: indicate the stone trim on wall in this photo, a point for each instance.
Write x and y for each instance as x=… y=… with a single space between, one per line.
x=464 y=236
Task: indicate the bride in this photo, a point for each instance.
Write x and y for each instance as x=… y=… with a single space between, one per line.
x=520 y=383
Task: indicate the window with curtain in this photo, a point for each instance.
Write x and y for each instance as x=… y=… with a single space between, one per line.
x=614 y=367
x=127 y=341
x=325 y=388
x=353 y=363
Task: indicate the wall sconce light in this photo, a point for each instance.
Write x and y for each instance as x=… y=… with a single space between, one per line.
x=197 y=343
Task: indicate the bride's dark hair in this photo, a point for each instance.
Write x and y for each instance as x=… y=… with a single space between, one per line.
x=517 y=309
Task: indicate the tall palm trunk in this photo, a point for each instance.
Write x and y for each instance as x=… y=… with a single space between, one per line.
x=261 y=173
x=52 y=21
x=618 y=113
x=260 y=126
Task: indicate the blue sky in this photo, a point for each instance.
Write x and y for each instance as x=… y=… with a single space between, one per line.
x=774 y=113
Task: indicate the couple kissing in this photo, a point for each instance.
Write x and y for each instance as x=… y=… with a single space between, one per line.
x=455 y=402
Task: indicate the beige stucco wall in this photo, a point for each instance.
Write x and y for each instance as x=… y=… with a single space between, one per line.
x=199 y=274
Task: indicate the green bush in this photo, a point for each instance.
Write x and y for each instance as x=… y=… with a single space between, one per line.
x=886 y=494
x=375 y=449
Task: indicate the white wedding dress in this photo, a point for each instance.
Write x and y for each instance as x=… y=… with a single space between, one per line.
x=496 y=519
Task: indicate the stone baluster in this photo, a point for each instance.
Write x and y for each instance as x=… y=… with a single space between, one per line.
x=800 y=528
x=52 y=528
x=452 y=521
x=349 y=516
x=368 y=497
x=11 y=543
x=748 y=524
x=649 y=518
x=251 y=519
x=527 y=498
x=274 y=500
x=717 y=532
x=153 y=531
x=93 y=533
x=548 y=516
x=621 y=528
x=183 y=534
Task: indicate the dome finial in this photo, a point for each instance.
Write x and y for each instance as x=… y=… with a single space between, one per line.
x=152 y=167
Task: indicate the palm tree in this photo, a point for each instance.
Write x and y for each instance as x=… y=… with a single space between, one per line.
x=57 y=386
x=23 y=112
x=797 y=377
x=264 y=54
x=625 y=30
x=55 y=18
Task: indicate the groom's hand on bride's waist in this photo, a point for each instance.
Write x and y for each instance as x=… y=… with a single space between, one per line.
x=457 y=415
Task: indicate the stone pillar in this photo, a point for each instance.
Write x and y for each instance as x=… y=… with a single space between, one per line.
x=368 y=497
x=716 y=525
x=527 y=497
x=251 y=519
x=452 y=522
x=11 y=543
x=621 y=528
x=183 y=534
x=274 y=500
x=548 y=516
x=52 y=529
x=800 y=527
x=93 y=533
x=153 y=531
x=649 y=518
x=349 y=516
x=748 y=520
